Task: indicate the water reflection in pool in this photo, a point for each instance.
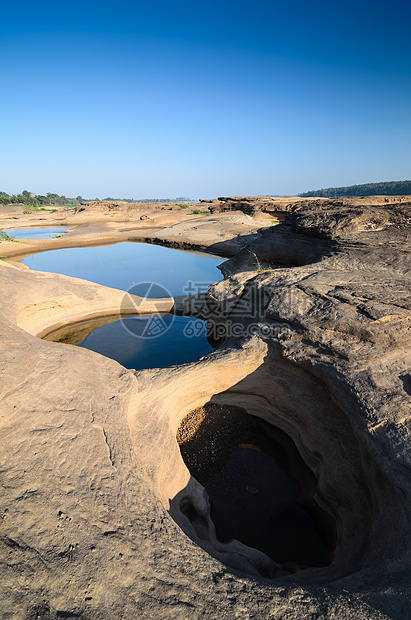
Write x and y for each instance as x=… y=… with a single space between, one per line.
x=151 y=341
x=36 y=232
x=138 y=342
x=124 y=264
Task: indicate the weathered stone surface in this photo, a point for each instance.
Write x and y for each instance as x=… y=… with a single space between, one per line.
x=278 y=207
x=91 y=470
x=275 y=207
x=347 y=308
x=224 y=234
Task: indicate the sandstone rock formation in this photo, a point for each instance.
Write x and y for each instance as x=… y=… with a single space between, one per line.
x=224 y=234
x=100 y=517
x=279 y=206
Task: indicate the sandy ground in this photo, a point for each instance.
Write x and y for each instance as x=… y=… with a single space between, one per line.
x=101 y=227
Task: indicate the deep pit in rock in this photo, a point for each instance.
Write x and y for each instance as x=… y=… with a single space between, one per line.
x=248 y=469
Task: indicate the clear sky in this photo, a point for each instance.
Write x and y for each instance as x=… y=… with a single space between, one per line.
x=203 y=98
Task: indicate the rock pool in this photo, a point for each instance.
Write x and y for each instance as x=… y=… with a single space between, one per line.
x=148 y=270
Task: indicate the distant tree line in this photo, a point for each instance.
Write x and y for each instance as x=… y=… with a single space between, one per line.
x=389 y=188
x=36 y=200
x=178 y=199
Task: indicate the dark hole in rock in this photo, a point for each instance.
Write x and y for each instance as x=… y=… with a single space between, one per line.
x=198 y=521
x=245 y=464
x=406 y=382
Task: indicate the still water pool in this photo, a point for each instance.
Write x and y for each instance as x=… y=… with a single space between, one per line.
x=36 y=233
x=148 y=270
x=127 y=264
x=156 y=341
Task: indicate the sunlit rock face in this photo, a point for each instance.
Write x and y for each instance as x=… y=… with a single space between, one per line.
x=101 y=517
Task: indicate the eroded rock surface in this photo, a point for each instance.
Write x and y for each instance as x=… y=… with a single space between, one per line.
x=224 y=234
x=95 y=494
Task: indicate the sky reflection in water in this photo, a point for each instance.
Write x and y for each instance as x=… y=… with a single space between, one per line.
x=140 y=342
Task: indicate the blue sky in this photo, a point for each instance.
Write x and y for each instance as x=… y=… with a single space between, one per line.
x=203 y=99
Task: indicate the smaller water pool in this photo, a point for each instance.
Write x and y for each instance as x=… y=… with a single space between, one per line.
x=36 y=232
x=153 y=341
x=156 y=341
